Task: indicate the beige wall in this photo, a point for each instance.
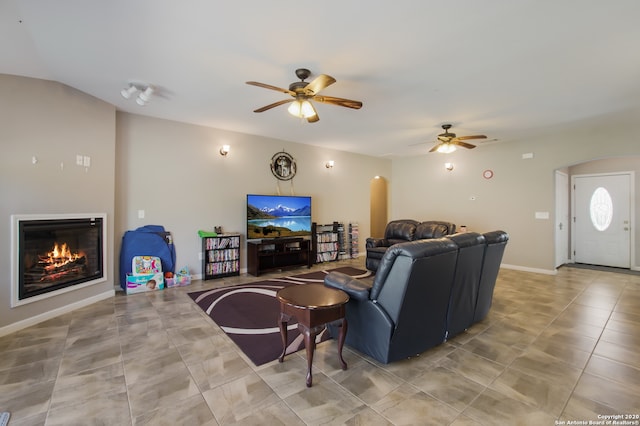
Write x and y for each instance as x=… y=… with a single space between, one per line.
x=421 y=188
x=54 y=123
x=174 y=172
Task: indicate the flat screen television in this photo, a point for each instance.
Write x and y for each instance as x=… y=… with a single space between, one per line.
x=278 y=216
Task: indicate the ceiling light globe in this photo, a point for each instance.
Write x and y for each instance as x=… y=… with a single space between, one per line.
x=295 y=109
x=446 y=148
x=307 y=109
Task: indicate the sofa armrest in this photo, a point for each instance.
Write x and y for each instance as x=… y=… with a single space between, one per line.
x=377 y=242
x=354 y=288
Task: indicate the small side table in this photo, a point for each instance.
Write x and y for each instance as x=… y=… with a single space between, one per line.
x=314 y=306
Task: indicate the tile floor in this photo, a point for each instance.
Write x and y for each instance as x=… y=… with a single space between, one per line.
x=553 y=349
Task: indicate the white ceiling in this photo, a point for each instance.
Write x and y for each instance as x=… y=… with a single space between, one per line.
x=497 y=67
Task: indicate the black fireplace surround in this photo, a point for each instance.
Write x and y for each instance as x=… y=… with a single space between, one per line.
x=54 y=254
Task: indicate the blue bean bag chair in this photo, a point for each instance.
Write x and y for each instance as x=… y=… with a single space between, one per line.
x=149 y=240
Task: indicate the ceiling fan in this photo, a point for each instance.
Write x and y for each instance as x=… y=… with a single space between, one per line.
x=448 y=141
x=303 y=92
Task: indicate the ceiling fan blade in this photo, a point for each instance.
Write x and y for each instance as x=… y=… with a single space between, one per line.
x=319 y=83
x=462 y=144
x=465 y=138
x=338 y=101
x=435 y=147
x=268 y=86
x=273 y=105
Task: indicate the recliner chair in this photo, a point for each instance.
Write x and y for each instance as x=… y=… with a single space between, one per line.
x=464 y=291
x=404 y=312
x=496 y=242
x=401 y=231
x=396 y=231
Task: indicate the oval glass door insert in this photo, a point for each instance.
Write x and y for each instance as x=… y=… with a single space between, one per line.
x=601 y=209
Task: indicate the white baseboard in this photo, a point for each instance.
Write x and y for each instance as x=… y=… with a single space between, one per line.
x=16 y=326
x=527 y=269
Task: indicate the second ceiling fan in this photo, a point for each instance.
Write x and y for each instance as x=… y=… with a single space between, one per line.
x=302 y=93
x=448 y=141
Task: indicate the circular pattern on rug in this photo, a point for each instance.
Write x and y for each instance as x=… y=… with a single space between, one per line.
x=249 y=314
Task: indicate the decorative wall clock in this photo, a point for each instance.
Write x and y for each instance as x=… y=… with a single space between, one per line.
x=283 y=166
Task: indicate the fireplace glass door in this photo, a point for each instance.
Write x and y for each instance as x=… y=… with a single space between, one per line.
x=58 y=253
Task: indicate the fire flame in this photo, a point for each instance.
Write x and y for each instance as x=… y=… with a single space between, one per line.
x=61 y=255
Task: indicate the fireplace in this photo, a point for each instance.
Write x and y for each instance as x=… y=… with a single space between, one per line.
x=55 y=254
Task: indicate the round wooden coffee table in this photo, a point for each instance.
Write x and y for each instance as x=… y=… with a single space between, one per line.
x=314 y=306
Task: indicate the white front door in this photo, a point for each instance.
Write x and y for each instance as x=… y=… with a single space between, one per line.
x=602 y=219
x=562 y=218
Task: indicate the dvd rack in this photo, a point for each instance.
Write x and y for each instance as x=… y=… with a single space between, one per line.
x=353 y=240
x=335 y=242
x=326 y=242
x=221 y=256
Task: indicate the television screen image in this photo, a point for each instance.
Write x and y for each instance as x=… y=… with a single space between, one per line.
x=278 y=216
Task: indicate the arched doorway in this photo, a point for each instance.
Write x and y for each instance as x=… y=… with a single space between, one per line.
x=378 y=206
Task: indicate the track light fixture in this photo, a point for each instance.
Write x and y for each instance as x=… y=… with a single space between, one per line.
x=126 y=93
x=224 y=150
x=145 y=97
x=329 y=164
x=145 y=90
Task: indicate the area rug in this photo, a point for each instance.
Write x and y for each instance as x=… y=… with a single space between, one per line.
x=249 y=313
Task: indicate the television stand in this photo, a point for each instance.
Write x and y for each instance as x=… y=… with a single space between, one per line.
x=277 y=254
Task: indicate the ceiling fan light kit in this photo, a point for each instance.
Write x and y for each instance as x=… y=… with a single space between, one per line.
x=302 y=109
x=448 y=141
x=446 y=148
x=303 y=93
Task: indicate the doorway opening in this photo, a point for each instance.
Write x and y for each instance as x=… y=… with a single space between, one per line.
x=564 y=200
x=378 y=206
